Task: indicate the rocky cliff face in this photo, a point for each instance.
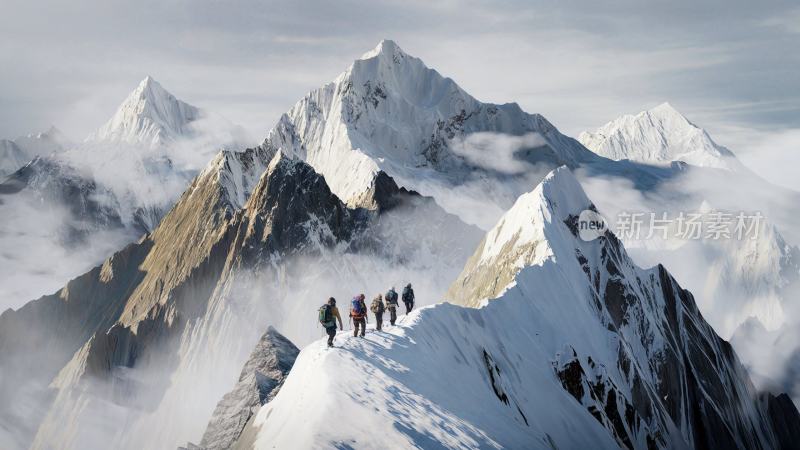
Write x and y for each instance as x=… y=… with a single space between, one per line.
x=262 y=377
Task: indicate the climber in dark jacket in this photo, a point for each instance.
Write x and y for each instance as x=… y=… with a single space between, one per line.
x=408 y=298
x=391 y=305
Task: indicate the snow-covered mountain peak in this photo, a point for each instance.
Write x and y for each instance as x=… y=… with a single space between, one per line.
x=385 y=48
x=521 y=230
x=658 y=136
x=150 y=115
x=387 y=71
x=542 y=227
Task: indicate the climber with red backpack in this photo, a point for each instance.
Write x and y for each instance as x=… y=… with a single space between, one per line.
x=358 y=312
x=328 y=315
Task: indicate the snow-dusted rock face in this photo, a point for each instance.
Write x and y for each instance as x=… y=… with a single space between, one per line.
x=11 y=157
x=49 y=181
x=389 y=112
x=659 y=135
x=149 y=115
x=262 y=377
x=580 y=349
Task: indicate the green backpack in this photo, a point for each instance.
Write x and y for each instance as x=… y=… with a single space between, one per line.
x=325 y=315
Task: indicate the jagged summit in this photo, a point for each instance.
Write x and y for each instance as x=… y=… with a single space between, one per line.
x=527 y=234
x=659 y=135
x=556 y=197
x=150 y=115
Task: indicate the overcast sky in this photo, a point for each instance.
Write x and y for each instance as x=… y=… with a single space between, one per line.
x=731 y=66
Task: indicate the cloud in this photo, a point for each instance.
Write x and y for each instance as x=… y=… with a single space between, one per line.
x=497 y=151
x=34 y=258
x=773 y=155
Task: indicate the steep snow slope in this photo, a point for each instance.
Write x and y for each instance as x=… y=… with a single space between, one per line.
x=581 y=349
x=149 y=115
x=659 y=135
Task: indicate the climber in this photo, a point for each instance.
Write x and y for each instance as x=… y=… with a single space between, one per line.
x=358 y=312
x=391 y=305
x=328 y=315
x=408 y=297
x=377 y=308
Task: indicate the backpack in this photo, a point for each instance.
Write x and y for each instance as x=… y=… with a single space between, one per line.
x=377 y=306
x=358 y=308
x=391 y=298
x=325 y=315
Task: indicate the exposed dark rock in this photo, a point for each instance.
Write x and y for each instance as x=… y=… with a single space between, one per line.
x=262 y=377
x=785 y=419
